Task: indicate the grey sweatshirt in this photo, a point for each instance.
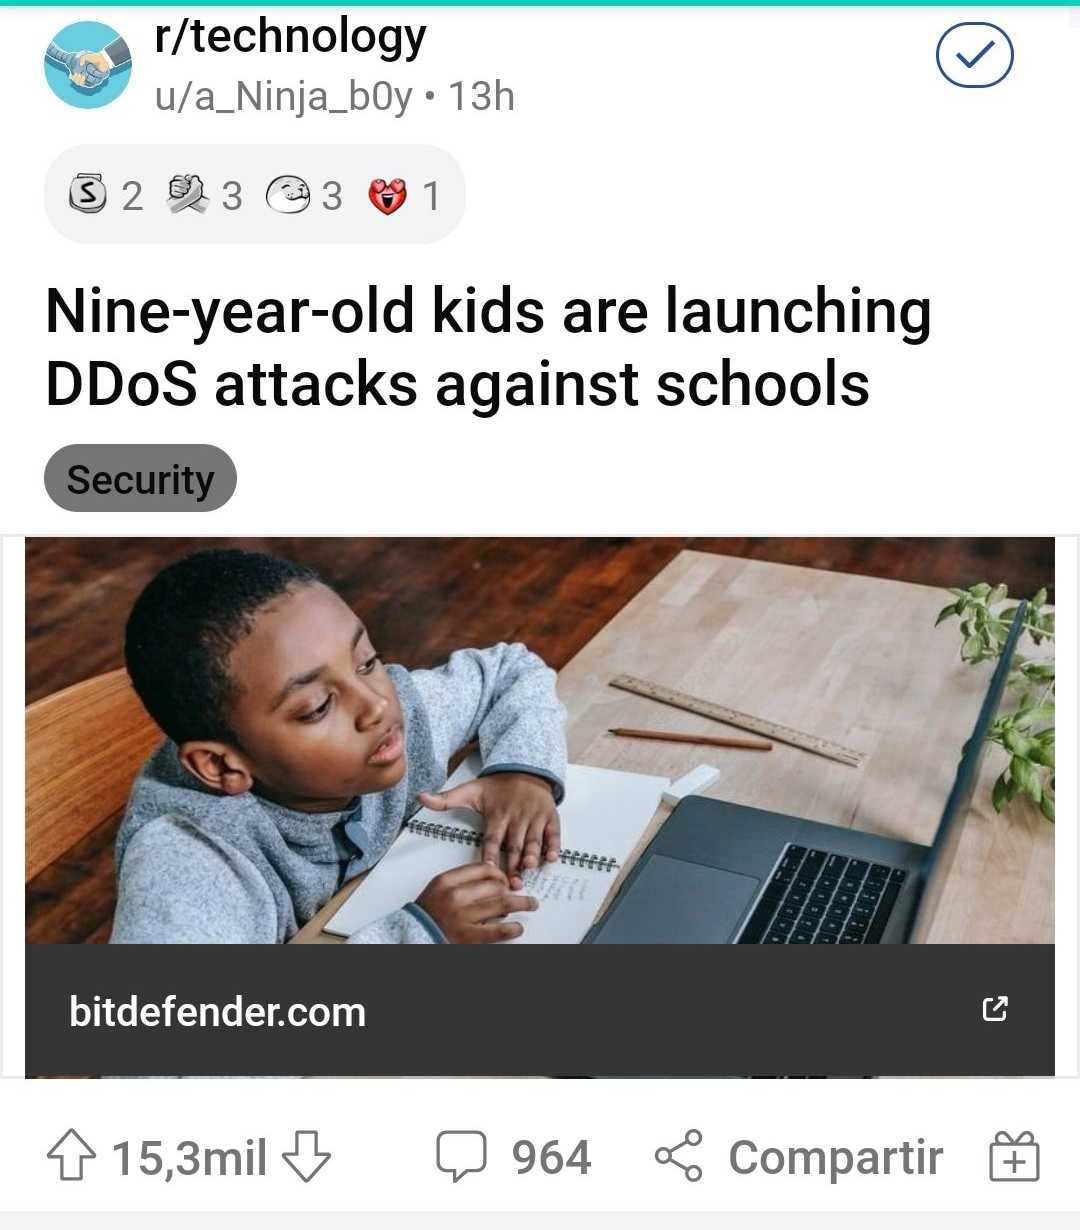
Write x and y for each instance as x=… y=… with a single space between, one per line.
x=198 y=867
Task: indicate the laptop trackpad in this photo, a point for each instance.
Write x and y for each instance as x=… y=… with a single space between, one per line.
x=674 y=902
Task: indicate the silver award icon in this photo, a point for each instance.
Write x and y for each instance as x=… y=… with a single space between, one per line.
x=87 y=193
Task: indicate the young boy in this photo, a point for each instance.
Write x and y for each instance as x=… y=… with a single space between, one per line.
x=294 y=755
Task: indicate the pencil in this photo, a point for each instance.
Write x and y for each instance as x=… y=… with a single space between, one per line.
x=671 y=736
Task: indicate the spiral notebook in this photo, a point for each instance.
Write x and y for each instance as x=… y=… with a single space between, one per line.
x=602 y=817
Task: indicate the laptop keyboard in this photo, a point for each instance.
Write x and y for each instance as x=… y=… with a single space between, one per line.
x=819 y=898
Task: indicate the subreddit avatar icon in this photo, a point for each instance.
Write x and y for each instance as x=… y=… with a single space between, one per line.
x=87 y=64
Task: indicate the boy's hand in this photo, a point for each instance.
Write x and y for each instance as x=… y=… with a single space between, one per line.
x=470 y=905
x=519 y=814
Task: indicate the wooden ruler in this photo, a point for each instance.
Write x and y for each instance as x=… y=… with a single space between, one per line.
x=744 y=721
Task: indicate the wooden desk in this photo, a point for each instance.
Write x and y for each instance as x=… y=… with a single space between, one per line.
x=853 y=659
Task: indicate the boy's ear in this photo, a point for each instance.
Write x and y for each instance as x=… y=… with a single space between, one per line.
x=217 y=765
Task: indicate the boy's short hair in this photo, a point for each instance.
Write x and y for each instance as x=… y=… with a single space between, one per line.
x=183 y=627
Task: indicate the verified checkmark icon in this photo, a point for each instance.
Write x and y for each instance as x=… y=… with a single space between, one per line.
x=974 y=54
x=976 y=58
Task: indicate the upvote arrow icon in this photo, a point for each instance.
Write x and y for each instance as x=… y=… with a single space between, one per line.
x=71 y=1151
x=305 y=1159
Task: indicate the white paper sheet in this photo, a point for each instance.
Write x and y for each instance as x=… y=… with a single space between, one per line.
x=604 y=813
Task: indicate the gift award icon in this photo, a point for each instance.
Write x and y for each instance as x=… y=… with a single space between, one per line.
x=1014 y=1159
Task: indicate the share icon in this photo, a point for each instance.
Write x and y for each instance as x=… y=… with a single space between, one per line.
x=665 y=1155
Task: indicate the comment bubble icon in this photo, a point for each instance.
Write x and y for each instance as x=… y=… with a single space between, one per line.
x=461 y=1153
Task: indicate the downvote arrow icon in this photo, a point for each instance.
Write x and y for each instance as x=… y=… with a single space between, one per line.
x=71 y=1151
x=305 y=1159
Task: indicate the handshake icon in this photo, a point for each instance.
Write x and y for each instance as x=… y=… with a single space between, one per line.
x=90 y=69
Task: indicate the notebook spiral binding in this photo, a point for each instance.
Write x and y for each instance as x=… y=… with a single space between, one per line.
x=470 y=837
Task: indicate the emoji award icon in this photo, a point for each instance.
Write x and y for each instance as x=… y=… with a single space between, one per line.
x=288 y=194
x=87 y=193
x=87 y=64
x=387 y=197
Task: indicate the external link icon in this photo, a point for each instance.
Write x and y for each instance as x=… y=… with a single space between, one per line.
x=665 y=1155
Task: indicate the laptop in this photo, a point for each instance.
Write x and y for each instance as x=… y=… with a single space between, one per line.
x=720 y=873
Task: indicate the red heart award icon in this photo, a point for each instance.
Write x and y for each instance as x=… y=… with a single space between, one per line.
x=387 y=197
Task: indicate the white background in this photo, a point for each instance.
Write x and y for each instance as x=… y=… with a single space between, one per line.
x=382 y=1135
x=732 y=152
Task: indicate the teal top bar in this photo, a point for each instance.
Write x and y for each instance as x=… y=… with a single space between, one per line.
x=573 y=4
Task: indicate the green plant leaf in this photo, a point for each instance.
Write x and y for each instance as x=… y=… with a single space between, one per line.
x=1043 y=753
x=1039 y=671
x=1027 y=732
x=1037 y=715
x=1017 y=742
x=998 y=631
x=1026 y=776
